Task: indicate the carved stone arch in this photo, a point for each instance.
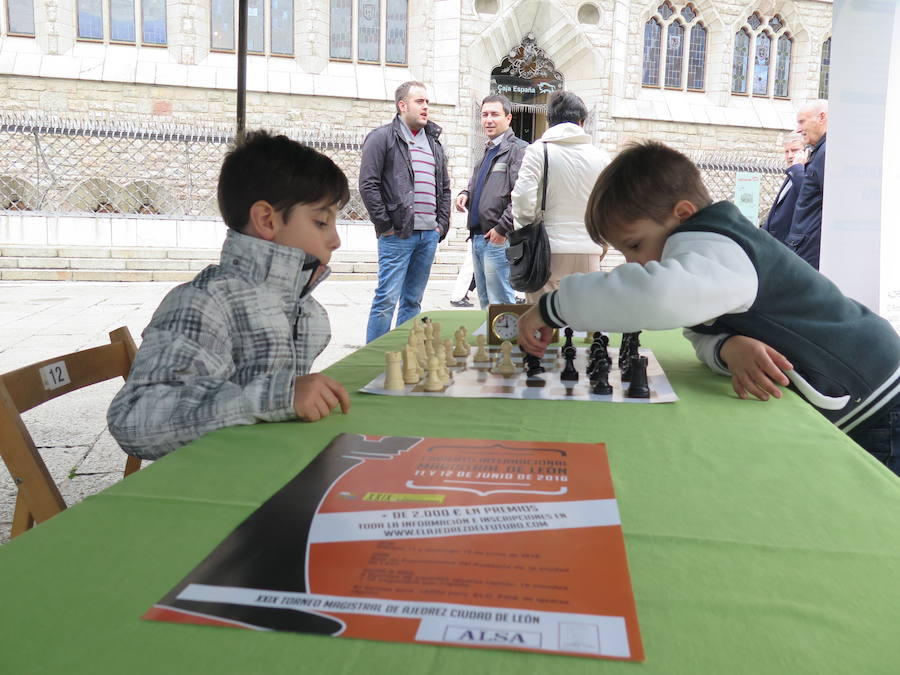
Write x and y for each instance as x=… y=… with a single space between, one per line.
x=553 y=29
x=527 y=61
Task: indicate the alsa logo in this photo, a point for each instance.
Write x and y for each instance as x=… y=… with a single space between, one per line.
x=496 y=637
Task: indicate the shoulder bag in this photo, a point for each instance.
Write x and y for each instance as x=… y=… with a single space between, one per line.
x=529 y=249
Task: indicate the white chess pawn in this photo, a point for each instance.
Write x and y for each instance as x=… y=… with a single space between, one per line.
x=443 y=371
x=433 y=380
x=481 y=355
x=461 y=349
x=449 y=358
x=506 y=366
x=393 y=375
x=411 y=373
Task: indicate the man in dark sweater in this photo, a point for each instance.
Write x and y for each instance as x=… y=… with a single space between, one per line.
x=805 y=236
x=703 y=266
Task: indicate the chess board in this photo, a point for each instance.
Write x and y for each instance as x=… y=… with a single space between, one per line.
x=470 y=379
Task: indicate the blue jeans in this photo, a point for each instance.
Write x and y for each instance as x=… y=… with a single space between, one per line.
x=491 y=271
x=403 y=269
x=881 y=439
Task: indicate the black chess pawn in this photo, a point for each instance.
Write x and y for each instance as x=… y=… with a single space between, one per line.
x=569 y=373
x=568 y=333
x=602 y=387
x=638 y=386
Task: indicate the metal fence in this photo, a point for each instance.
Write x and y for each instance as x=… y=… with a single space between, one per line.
x=139 y=169
x=150 y=169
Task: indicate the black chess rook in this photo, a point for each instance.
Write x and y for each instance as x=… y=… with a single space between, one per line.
x=638 y=386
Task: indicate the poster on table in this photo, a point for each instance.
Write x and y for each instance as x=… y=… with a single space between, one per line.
x=478 y=543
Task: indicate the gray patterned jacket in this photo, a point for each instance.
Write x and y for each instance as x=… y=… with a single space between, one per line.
x=222 y=350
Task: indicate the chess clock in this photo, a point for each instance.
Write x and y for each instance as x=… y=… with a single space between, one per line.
x=503 y=323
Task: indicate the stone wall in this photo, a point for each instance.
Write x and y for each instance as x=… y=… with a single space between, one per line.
x=453 y=45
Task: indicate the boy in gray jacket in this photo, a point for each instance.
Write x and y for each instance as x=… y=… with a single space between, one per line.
x=236 y=344
x=752 y=309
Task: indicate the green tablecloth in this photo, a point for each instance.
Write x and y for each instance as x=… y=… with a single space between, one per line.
x=760 y=539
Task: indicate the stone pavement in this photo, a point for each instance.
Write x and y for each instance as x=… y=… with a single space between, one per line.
x=40 y=320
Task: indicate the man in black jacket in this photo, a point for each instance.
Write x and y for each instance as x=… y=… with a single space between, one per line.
x=488 y=200
x=403 y=182
x=805 y=236
x=778 y=223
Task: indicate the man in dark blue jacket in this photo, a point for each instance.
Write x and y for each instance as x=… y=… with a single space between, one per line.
x=778 y=223
x=805 y=236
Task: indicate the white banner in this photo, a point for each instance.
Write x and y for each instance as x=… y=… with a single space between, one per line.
x=461 y=520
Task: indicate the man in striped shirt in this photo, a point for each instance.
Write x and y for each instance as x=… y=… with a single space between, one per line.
x=404 y=184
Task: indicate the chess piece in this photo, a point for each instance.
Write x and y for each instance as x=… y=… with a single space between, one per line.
x=411 y=372
x=533 y=365
x=461 y=349
x=449 y=358
x=600 y=378
x=443 y=371
x=433 y=380
x=481 y=355
x=638 y=387
x=393 y=374
x=506 y=366
x=569 y=374
x=568 y=333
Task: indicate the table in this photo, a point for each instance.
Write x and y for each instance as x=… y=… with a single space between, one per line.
x=760 y=539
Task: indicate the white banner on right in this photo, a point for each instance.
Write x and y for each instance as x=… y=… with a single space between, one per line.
x=861 y=206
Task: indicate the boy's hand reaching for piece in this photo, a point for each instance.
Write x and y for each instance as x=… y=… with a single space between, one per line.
x=316 y=395
x=534 y=334
x=755 y=367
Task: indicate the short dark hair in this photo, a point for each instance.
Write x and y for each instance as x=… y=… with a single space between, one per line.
x=645 y=180
x=498 y=98
x=280 y=171
x=403 y=91
x=564 y=106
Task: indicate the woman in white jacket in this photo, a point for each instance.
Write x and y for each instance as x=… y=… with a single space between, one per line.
x=573 y=166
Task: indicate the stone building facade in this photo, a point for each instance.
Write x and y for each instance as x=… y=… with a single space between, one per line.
x=598 y=49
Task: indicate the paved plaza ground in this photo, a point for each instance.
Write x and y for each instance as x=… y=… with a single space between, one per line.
x=40 y=320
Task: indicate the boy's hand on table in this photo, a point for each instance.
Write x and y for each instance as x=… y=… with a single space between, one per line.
x=316 y=395
x=534 y=334
x=755 y=367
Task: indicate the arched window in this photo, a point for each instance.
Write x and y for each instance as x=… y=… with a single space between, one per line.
x=741 y=58
x=682 y=27
x=761 y=64
x=771 y=45
x=373 y=18
x=783 y=66
x=697 y=58
x=825 y=68
x=674 y=54
x=652 y=33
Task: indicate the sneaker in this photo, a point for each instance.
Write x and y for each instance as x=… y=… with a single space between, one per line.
x=465 y=302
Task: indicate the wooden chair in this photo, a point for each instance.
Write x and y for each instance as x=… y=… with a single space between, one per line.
x=23 y=389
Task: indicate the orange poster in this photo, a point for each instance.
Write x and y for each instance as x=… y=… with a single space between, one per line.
x=479 y=543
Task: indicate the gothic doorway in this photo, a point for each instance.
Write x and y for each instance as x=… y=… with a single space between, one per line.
x=527 y=77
